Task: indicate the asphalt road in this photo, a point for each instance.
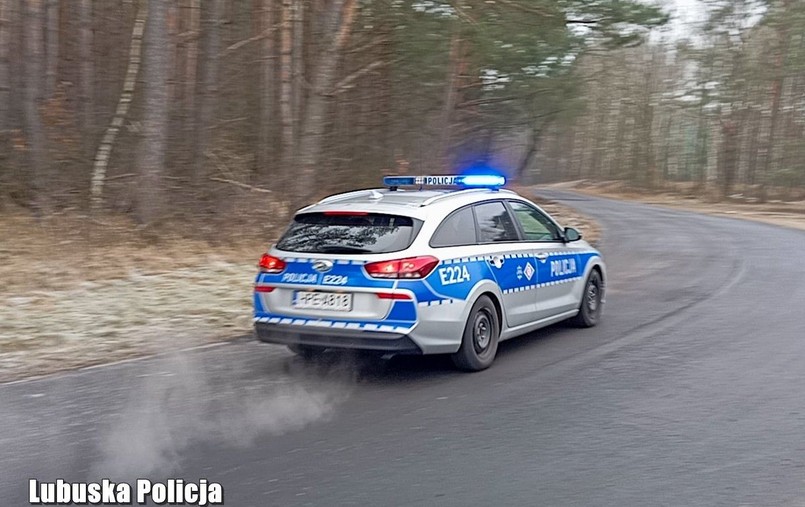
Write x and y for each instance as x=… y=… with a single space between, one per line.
x=690 y=392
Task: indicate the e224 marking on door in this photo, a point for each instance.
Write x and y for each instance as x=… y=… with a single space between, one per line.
x=454 y=274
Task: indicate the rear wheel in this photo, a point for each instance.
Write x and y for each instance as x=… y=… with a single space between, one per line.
x=479 y=344
x=306 y=351
x=591 y=301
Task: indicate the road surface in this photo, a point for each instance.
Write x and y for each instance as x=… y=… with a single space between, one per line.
x=690 y=392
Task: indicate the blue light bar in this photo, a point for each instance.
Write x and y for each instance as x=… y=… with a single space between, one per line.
x=465 y=181
x=399 y=181
x=482 y=180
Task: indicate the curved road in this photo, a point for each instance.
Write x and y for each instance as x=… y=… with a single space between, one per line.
x=690 y=392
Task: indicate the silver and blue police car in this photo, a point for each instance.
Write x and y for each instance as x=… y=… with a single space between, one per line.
x=428 y=270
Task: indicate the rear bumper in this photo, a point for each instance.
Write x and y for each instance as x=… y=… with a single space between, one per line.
x=336 y=338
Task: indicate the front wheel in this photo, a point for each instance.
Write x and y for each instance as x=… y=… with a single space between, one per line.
x=479 y=344
x=591 y=301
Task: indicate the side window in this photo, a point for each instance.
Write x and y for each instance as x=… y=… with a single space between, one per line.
x=457 y=229
x=536 y=226
x=495 y=223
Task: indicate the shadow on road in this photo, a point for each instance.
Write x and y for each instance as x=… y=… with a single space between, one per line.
x=370 y=369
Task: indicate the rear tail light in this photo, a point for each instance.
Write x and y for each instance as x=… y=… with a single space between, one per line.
x=394 y=295
x=263 y=288
x=411 y=267
x=271 y=264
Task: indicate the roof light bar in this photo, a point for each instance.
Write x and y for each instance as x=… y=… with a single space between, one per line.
x=465 y=181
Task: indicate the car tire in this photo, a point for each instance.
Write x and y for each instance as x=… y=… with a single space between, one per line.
x=591 y=301
x=306 y=352
x=479 y=343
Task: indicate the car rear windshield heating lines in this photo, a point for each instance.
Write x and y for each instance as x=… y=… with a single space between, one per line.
x=349 y=232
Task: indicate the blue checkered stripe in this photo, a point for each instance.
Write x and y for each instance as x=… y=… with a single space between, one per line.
x=463 y=260
x=481 y=258
x=433 y=298
x=386 y=327
x=539 y=285
x=437 y=302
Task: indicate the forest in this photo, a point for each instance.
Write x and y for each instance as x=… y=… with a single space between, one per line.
x=199 y=111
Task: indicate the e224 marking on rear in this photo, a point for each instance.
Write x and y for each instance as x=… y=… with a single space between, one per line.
x=335 y=280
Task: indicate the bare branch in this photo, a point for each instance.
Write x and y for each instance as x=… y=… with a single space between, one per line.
x=262 y=35
x=243 y=185
x=494 y=100
x=120 y=176
x=346 y=25
x=187 y=36
x=463 y=15
x=368 y=45
x=524 y=8
x=344 y=84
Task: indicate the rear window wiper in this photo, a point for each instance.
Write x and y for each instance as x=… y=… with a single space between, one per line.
x=342 y=249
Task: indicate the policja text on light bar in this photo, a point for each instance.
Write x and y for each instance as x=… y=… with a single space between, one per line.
x=470 y=180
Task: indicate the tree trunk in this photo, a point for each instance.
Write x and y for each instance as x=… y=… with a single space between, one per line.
x=298 y=63
x=776 y=99
x=33 y=99
x=756 y=120
x=286 y=88
x=52 y=50
x=267 y=88
x=520 y=173
x=620 y=172
x=211 y=48
x=86 y=76
x=151 y=155
x=187 y=70
x=730 y=130
x=450 y=98
x=6 y=155
x=175 y=93
x=101 y=161
x=323 y=79
x=191 y=62
x=5 y=67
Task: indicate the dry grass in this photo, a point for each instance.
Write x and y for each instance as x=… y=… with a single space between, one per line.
x=76 y=294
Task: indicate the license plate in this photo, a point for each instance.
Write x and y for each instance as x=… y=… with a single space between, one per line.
x=322 y=301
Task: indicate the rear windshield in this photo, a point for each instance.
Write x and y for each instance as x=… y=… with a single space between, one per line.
x=369 y=233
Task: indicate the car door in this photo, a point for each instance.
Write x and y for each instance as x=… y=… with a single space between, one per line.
x=510 y=260
x=557 y=264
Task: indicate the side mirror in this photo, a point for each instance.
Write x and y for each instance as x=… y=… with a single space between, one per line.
x=571 y=235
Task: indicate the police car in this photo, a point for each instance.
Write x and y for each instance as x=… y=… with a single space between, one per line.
x=428 y=270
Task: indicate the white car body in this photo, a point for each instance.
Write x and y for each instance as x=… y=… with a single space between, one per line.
x=330 y=299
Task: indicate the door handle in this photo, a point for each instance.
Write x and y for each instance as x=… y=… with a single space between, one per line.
x=541 y=256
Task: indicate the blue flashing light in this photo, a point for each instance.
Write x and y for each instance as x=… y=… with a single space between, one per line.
x=483 y=180
x=465 y=181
